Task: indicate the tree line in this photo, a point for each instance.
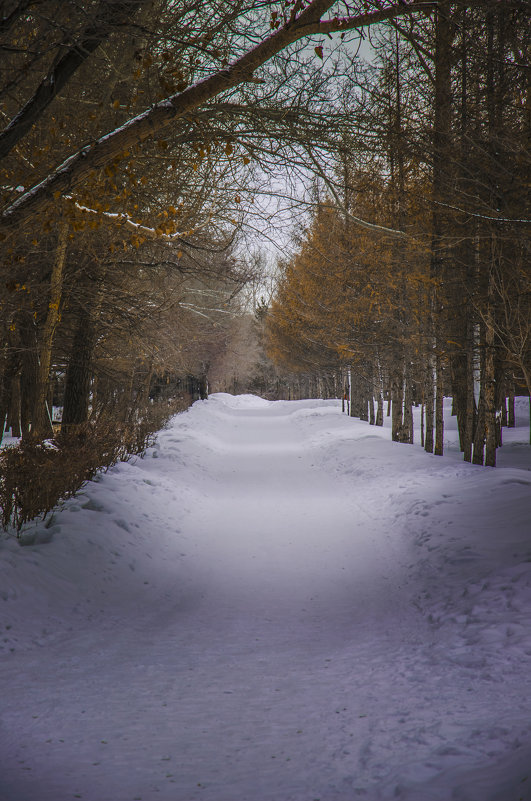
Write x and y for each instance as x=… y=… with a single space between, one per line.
x=433 y=298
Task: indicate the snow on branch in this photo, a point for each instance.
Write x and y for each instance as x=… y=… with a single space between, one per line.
x=480 y=216
x=339 y=24
x=123 y=219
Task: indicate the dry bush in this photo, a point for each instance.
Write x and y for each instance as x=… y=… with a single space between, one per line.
x=35 y=477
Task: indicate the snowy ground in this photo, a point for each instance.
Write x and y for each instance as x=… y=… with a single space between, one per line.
x=276 y=604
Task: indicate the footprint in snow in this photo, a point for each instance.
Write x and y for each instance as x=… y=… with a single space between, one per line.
x=94 y=506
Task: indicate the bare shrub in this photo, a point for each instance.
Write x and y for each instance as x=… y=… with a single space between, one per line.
x=35 y=477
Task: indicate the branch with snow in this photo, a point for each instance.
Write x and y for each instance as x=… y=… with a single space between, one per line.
x=123 y=219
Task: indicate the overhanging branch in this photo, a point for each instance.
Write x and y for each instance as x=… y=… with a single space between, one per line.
x=111 y=147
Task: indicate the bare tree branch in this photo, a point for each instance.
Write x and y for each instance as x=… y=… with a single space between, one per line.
x=108 y=17
x=111 y=146
x=381 y=229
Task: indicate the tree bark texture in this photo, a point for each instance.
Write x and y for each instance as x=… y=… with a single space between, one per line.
x=441 y=182
x=490 y=384
x=79 y=373
x=439 y=409
x=40 y=423
x=11 y=368
x=429 y=396
x=397 y=398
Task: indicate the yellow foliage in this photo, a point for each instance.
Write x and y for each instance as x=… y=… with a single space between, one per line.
x=347 y=290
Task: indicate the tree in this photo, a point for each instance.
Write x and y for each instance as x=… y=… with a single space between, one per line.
x=303 y=20
x=455 y=155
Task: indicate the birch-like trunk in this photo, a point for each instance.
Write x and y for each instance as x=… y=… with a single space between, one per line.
x=441 y=183
x=380 y=397
x=479 y=432
x=490 y=383
x=439 y=409
x=429 y=405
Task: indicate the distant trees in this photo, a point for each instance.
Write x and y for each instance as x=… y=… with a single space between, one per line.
x=351 y=299
x=445 y=308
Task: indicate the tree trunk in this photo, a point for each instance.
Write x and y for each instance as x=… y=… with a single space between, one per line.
x=470 y=408
x=13 y=417
x=380 y=411
x=429 y=405
x=408 y=417
x=11 y=367
x=511 y=419
x=439 y=410
x=203 y=387
x=479 y=433
x=28 y=374
x=397 y=397
x=441 y=182
x=379 y=395
x=463 y=360
x=490 y=384
x=363 y=408
x=41 y=424
x=408 y=408
x=79 y=374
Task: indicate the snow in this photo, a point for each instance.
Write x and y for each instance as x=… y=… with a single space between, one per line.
x=277 y=603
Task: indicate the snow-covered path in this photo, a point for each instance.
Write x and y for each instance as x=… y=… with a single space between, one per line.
x=277 y=604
